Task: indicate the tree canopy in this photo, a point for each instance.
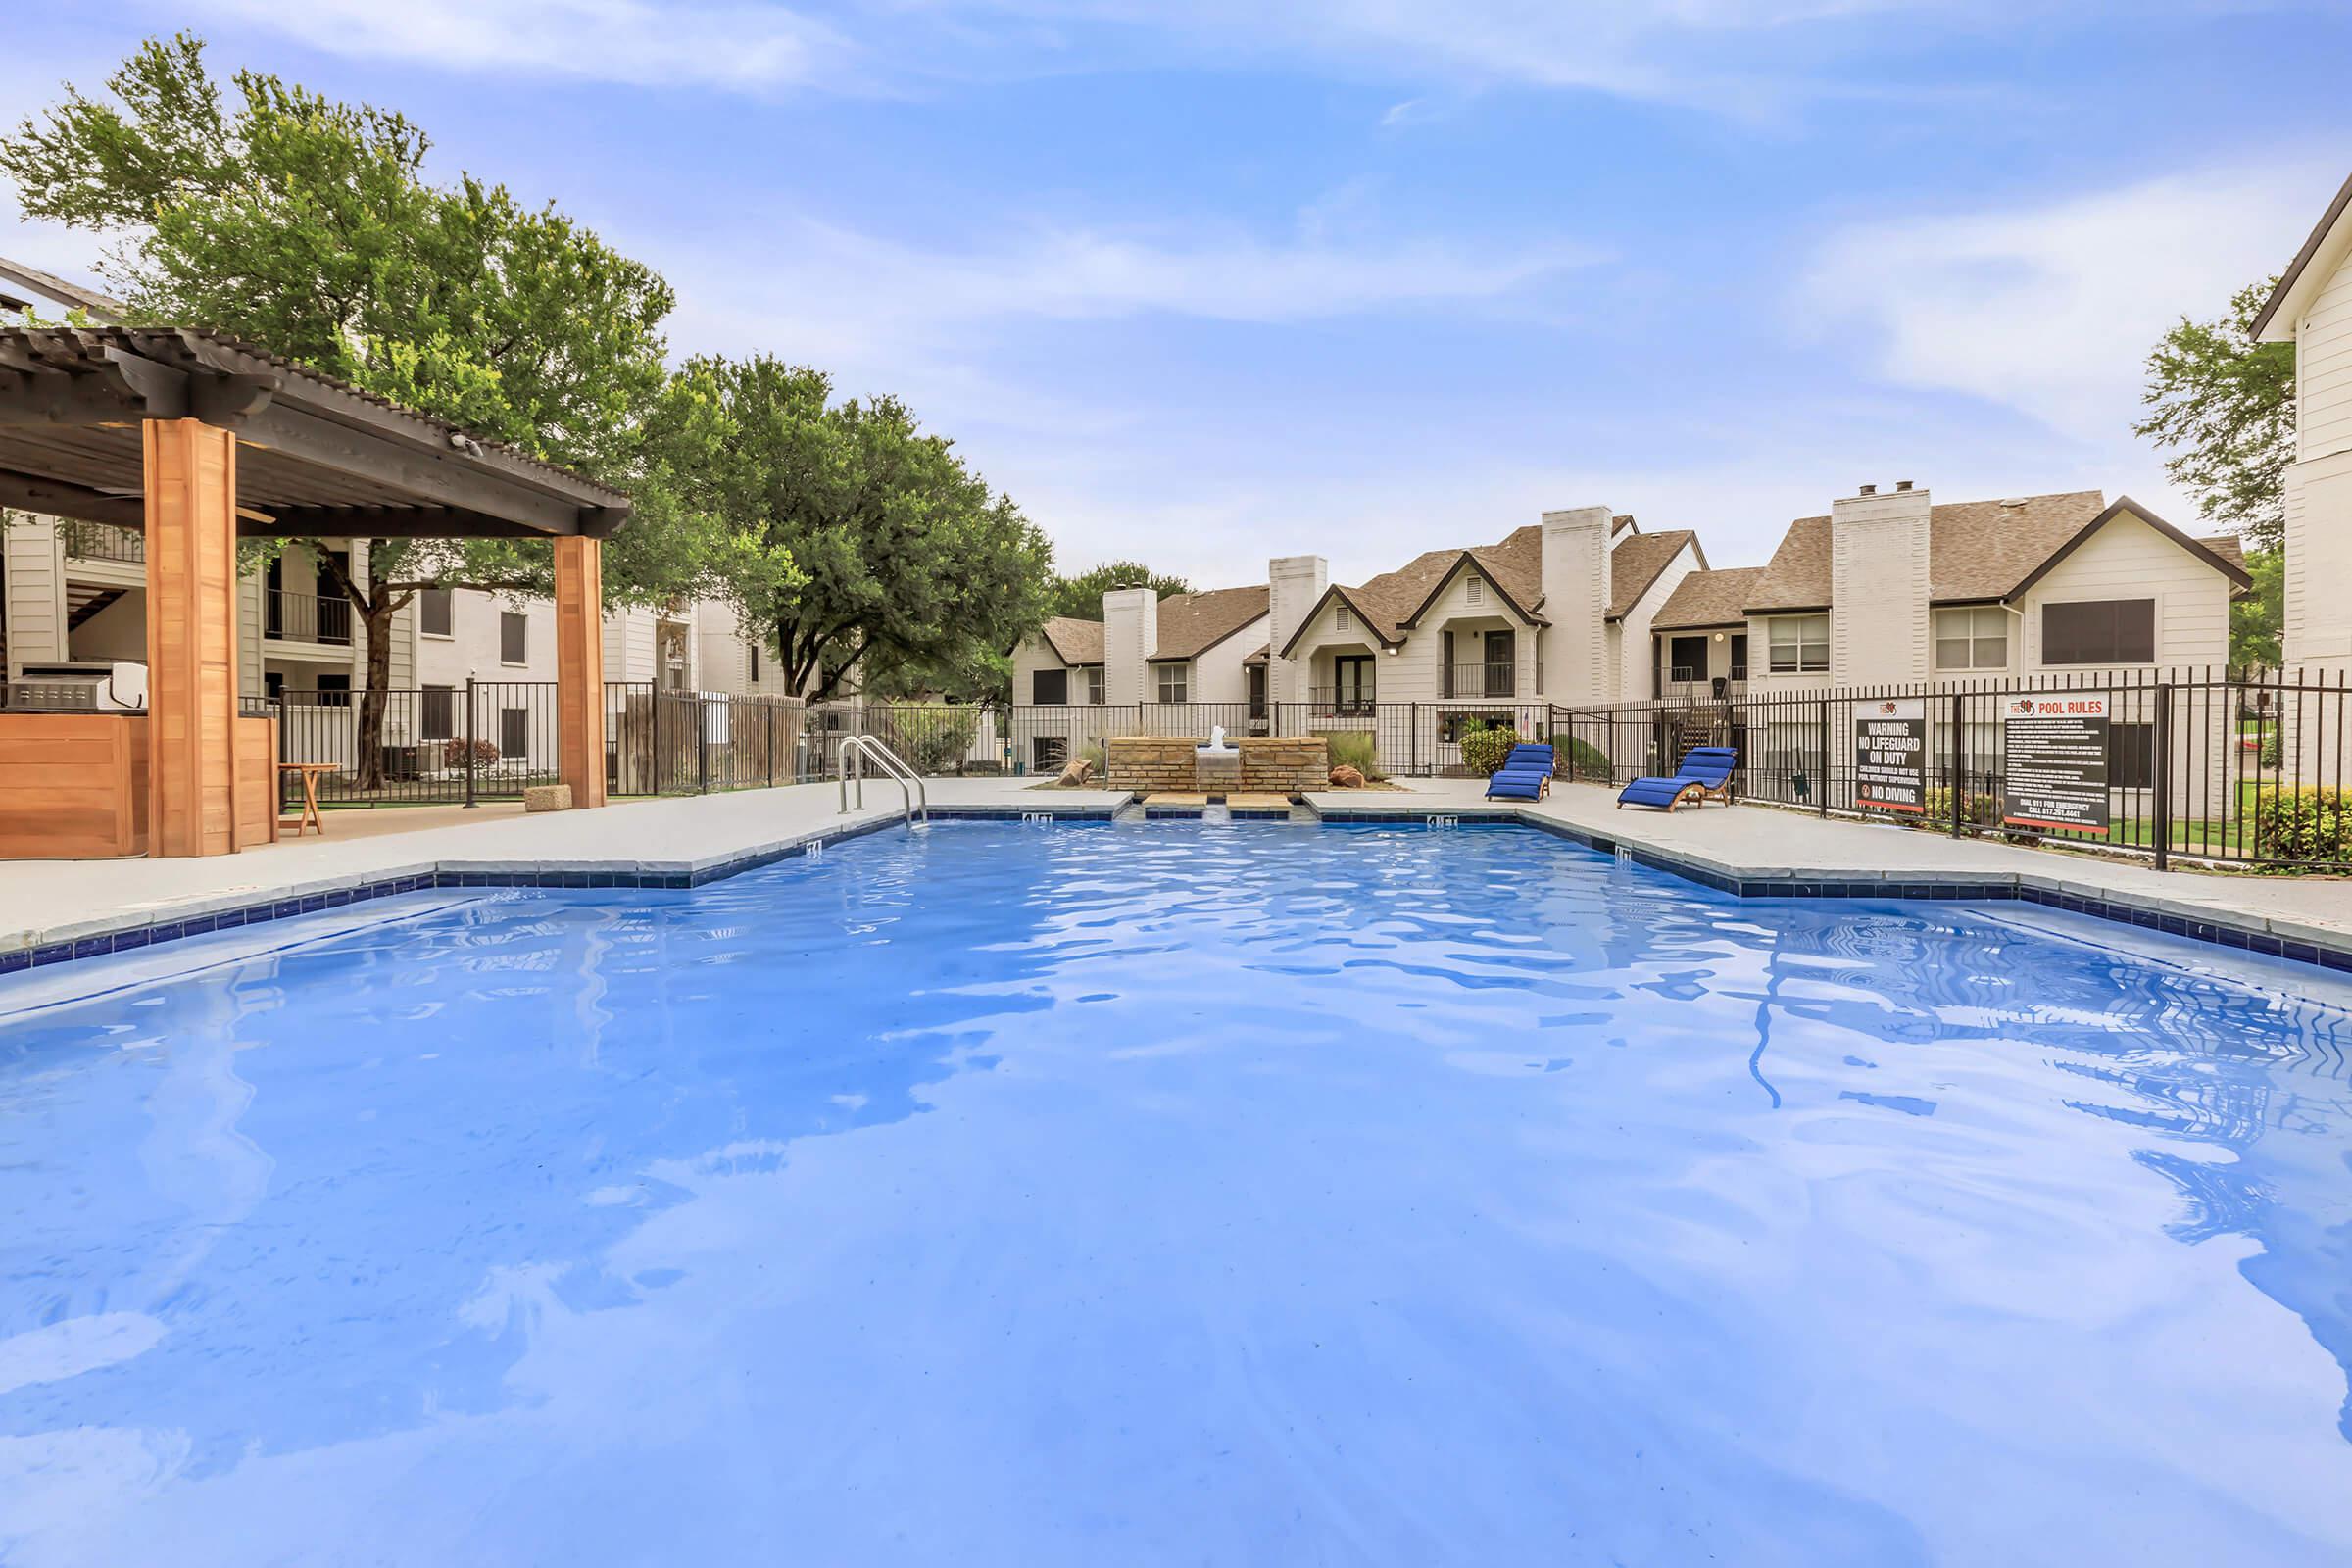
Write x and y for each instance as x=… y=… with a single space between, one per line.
x=1081 y=596
x=903 y=566
x=308 y=225
x=2228 y=403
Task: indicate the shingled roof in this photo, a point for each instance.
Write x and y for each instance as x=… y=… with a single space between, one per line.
x=1977 y=551
x=1704 y=599
x=1190 y=625
x=1636 y=561
x=1074 y=641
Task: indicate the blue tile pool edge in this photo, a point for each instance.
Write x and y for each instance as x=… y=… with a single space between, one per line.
x=136 y=935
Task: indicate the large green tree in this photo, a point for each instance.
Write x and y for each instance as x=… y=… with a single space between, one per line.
x=1081 y=596
x=867 y=548
x=308 y=225
x=2225 y=403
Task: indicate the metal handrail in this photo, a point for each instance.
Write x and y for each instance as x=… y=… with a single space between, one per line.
x=855 y=749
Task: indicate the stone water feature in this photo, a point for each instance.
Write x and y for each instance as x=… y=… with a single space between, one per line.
x=1172 y=765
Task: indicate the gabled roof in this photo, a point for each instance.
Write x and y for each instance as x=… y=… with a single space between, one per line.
x=1977 y=551
x=1708 y=599
x=2276 y=323
x=1074 y=641
x=1190 y=625
x=1636 y=561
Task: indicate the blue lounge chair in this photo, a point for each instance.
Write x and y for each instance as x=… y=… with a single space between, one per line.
x=1706 y=775
x=1525 y=775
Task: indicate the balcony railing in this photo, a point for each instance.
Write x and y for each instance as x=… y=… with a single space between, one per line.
x=1341 y=702
x=1478 y=680
x=105 y=541
x=1688 y=686
x=305 y=618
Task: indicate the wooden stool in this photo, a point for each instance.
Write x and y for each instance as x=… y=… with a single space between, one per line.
x=308 y=819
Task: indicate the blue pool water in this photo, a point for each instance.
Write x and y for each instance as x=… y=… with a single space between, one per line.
x=1182 y=1194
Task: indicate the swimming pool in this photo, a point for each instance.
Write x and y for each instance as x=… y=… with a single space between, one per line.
x=1177 y=1192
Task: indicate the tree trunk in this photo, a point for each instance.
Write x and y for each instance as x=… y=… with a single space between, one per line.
x=370 y=739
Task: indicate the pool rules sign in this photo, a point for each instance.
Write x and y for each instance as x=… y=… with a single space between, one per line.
x=2054 y=761
x=1890 y=753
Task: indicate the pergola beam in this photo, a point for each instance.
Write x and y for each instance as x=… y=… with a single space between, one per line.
x=56 y=499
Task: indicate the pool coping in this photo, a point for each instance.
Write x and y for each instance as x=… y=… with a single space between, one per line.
x=2244 y=931
x=145 y=927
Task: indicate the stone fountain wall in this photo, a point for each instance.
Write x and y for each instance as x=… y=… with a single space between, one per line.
x=1285 y=764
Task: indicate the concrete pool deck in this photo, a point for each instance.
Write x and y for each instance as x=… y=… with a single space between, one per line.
x=1767 y=851
x=47 y=905
x=51 y=911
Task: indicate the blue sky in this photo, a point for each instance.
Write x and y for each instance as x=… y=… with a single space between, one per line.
x=1206 y=282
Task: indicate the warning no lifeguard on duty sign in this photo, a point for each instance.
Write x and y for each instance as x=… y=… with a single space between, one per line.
x=2054 y=761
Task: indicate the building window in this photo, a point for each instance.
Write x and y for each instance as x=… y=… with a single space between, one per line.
x=436 y=612
x=436 y=714
x=2099 y=631
x=1472 y=591
x=751 y=652
x=1049 y=688
x=2131 y=756
x=514 y=637
x=514 y=732
x=1800 y=645
x=1340 y=619
x=1174 y=681
x=334 y=691
x=1351 y=683
x=1094 y=685
x=1975 y=638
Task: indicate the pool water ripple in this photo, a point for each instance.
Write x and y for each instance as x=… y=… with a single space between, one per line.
x=1182 y=1194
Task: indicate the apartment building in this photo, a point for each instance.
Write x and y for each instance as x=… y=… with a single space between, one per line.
x=1890 y=587
x=2312 y=307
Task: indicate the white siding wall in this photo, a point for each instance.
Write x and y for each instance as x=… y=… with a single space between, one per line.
x=473 y=646
x=1218 y=674
x=2323 y=368
x=1633 y=661
x=36 y=595
x=2128 y=560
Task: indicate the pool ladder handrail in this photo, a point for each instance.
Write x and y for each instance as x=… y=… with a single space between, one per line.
x=855 y=749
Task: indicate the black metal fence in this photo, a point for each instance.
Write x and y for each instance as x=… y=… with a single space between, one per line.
x=490 y=740
x=2205 y=764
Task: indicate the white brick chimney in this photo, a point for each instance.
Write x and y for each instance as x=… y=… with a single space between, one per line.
x=1878 y=586
x=1292 y=585
x=1130 y=633
x=1576 y=601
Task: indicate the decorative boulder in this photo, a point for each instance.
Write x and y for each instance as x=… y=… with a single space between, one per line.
x=1079 y=771
x=1344 y=777
x=547 y=798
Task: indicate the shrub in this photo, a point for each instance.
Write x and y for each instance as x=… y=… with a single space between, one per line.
x=453 y=753
x=2306 y=824
x=933 y=738
x=1096 y=756
x=1977 y=809
x=1356 y=749
x=2272 y=750
x=1485 y=749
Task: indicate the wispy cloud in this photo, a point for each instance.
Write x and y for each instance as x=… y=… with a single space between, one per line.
x=1730 y=56
x=738 y=46
x=2050 y=308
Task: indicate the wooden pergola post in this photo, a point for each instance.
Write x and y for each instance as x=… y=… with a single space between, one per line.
x=192 y=519
x=581 y=668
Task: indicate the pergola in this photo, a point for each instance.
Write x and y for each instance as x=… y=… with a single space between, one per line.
x=194 y=438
